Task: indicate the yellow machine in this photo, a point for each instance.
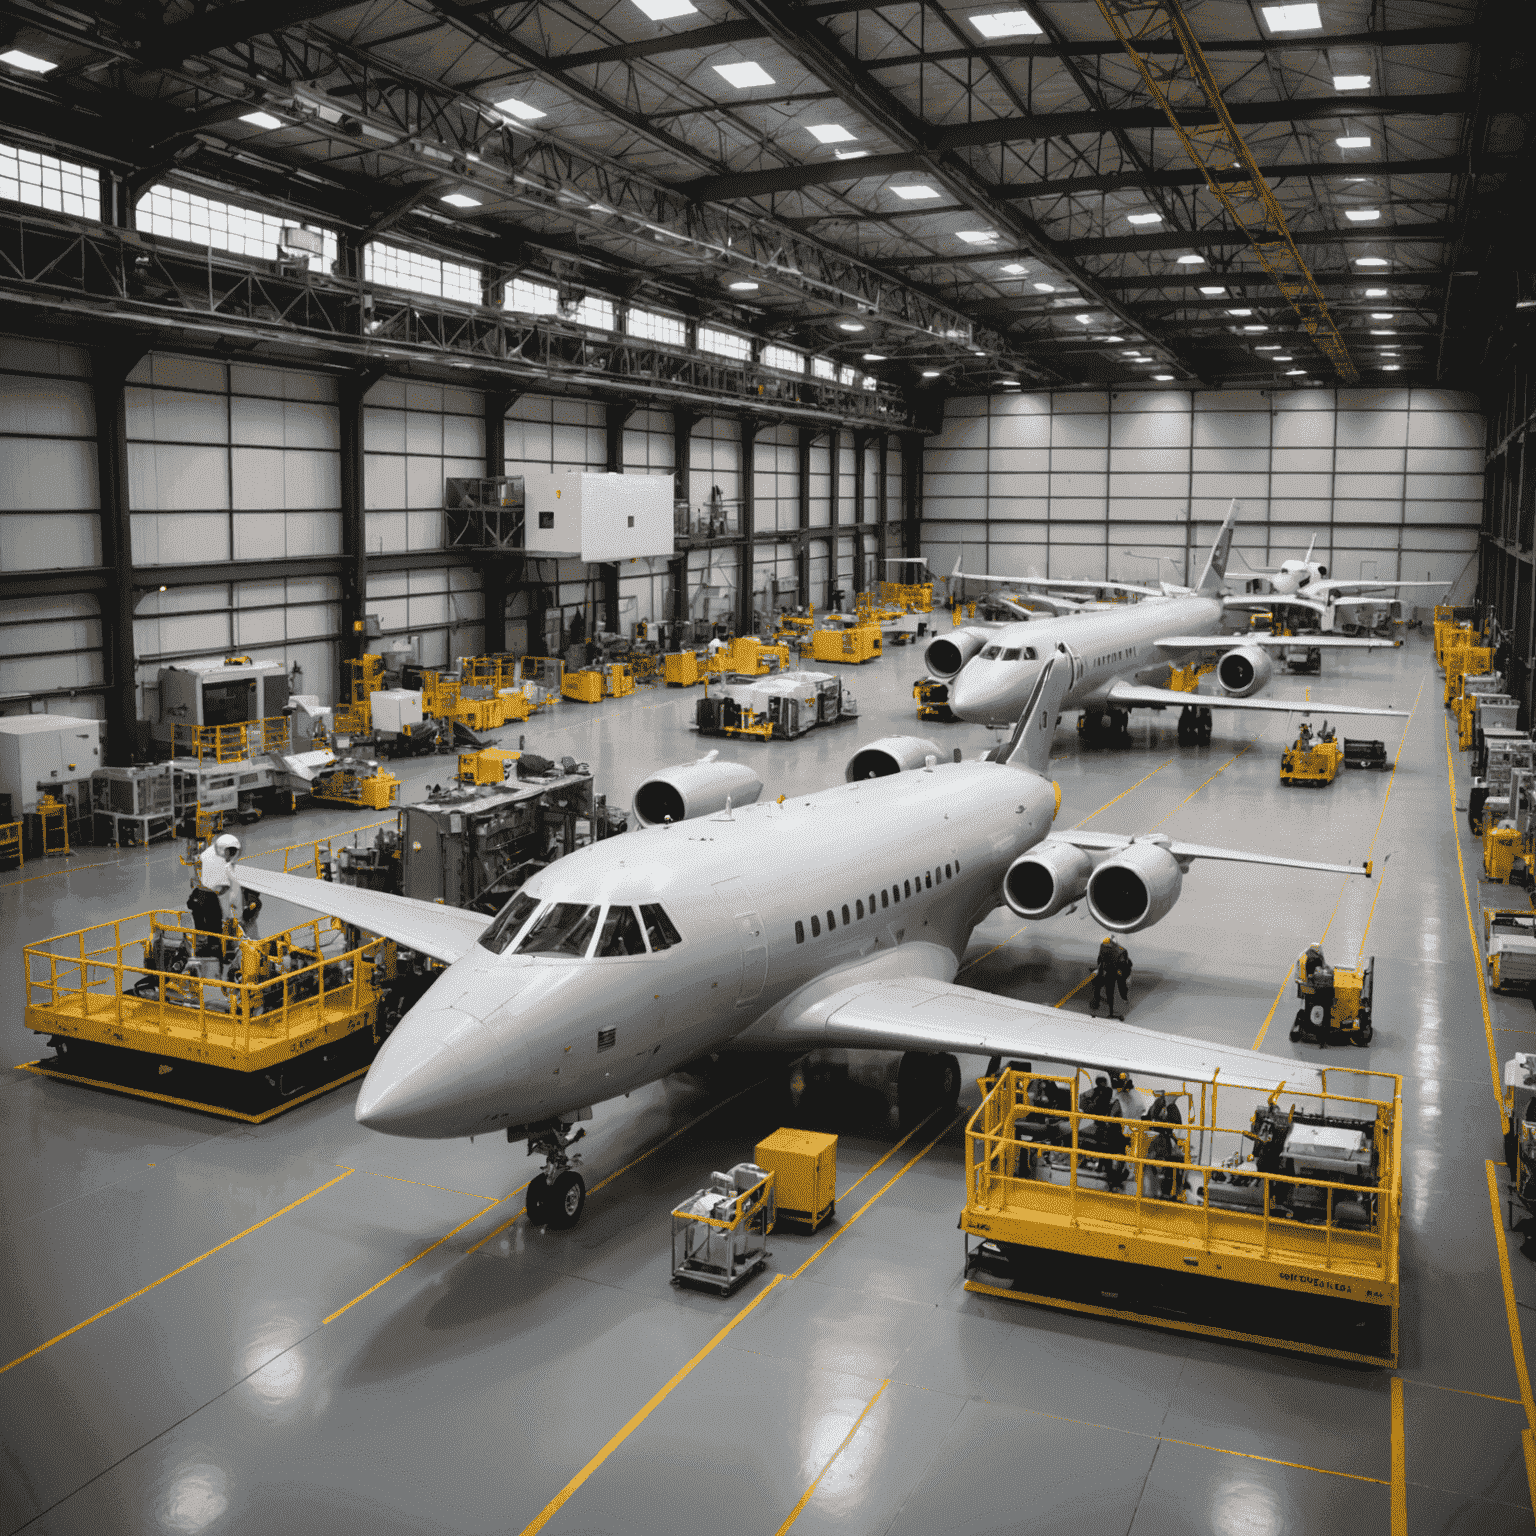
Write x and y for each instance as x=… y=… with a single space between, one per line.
x=960 y=612
x=857 y=643
x=366 y=675
x=932 y=700
x=53 y=815
x=10 y=843
x=1313 y=759
x=804 y=1169
x=585 y=687
x=1279 y=1226
x=870 y=608
x=349 y=785
x=909 y=597
x=1503 y=847
x=680 y=669
x=1465 y=661
x=1335 y=1005
x=1187 y=679
x=239 y=1027
x=748 y=656
x=792 y=626
x=487 y=766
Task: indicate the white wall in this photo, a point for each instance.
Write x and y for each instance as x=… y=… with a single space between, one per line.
x=1089 y=484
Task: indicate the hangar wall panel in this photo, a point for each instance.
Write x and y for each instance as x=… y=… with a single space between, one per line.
x=1133 y=484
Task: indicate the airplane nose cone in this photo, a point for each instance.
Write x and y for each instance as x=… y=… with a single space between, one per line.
x=985 y=695
x=428 y=1073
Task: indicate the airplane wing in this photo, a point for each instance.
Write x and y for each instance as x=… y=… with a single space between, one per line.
x=1266 y=600
x=1086 y=585
x=1180 y=644
x=925 y=1014
x=445 y=933
x=1340 y=590
x=1111 y=842
x=1129 y=695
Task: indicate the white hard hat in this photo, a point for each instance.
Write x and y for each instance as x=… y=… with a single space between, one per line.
x=226 y=844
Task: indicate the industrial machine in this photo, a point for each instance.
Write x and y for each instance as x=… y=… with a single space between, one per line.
x=591 y=685
x=804 y=1168
x=1518 y=1100
x=1208 y=1208
x=47 y=757
x=133 y=806
x=720 y=1233
x=851 y=643
x=682 y=669
x=199 y=697
x=1509 y=948
x=1312 y=760
x=780 y=707
x=1335 y=1004
x=1365 y=754
x=932 y=700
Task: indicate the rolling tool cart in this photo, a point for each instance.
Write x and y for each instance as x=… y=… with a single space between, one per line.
x=720 y=1234
x=1335 y=1004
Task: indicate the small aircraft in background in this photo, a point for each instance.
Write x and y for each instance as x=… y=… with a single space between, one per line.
x=1305 y=583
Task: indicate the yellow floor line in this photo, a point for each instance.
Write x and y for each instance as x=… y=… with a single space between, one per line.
x=805 y=1498
x=983 y=955
x=657 y=1398
x=884 y=1160
x=1399 y=1463
x=1191 y=795
x=468 y=1194
x=1118 y=798
x=1516 y=1337
x=1434 y=1386
x=191 y=1263
x=1477 y=949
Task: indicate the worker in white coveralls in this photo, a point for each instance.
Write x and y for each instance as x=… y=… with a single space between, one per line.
x=218 y=874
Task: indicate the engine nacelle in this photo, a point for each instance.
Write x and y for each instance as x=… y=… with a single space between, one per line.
x=694 y=789
x=1135 y=888
x=1244 y=670
x=947 y=654
x=1046 y=879
x=891 y=754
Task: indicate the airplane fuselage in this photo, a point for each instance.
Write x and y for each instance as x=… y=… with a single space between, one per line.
x=1105 y=648
x=767 y=900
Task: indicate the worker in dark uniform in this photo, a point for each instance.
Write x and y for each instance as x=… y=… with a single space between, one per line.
x=1113 y=970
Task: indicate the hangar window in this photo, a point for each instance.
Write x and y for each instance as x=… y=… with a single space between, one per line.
x=595 y=313
x=725 y=343
x=621 y=934
x=525 y=296
x=647 y=325
x=658 y=928
x=815 y=927
x=784 y=359
x=799 y=932
x=563 y=928
x=182 y=215
x=396 y=267
x=45 y=181
x=846 y=918
x=508 y=923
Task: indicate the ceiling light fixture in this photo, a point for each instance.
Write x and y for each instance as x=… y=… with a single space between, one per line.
x=1351 y=82
x=1269 y=346
x=1362 y=215
x=1044 y=288
x=1163 y=378
x=1255 y=327
x=915 y=191
x=461 y=200
x=665 y=10
x=1291 y=373
x=850 y=325
x=1014 y=269
x=1113 y=340
x=262 y=120
x=1375 y=293
x=1006 y=24
x=744 y=287
x=1212 y=293
x=1385 y=314
x=1383 y=333
x=1291 y=18
x=849 y=154
x=1354 y=141
x=1083 y=319
x=1282 y=357
x=874 y=357
x=1240 y=313
x=520 y=110
x=830 y=133
x=1390 y=367
x=976 y=236
x=1372 y=261
x=744 y=75
x=1143 y=218
x=1191 y=261
x=27 y=61
x=930 y=373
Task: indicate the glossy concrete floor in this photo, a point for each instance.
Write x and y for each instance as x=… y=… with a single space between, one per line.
x=367 y=1339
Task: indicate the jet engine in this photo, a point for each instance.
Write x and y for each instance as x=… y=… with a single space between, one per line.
x=1244 y=670
x=694 y=789
x=891 y=754
x=947 y=654
x=1134 y=888
x=1046 y=879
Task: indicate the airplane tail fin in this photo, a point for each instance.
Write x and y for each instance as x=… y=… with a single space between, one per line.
x=1215 y=571
x=1030 y=745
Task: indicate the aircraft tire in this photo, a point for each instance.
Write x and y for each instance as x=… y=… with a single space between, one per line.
x=566 y=1201
x=924 y=1083
x=536 y=1199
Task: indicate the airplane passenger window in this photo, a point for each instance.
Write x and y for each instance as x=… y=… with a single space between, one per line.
x=1012 y=654
x=659 y=929
x=908 y=885
x=871 y=903
x=859 y=906
x=957 y=866
x=846 y=918
x=564 y=928
x=896 y=893
x=930 y=882
x=991 y=653
x=831 y=920
x=885 y=898
x=799 y=931
x=815 y=927
x=508 y=923
x=621 y=934
x=946 y=871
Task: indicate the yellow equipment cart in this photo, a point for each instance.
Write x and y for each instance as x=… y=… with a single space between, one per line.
x=1335 y=1005
x=1313 y=760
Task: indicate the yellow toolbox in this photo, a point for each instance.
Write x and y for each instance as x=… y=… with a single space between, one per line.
x=680 y=669
x=586 y=686
x=804 y=1169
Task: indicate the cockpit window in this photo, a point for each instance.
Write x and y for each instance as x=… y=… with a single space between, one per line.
x=991 y=653
x=563 y=928
x=508 y=923
x=621 y=934
x=1012 y=654
x=659 y=929
x=1029 y=653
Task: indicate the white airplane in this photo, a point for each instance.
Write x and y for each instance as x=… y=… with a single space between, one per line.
x=836 y=919
x=1057 y=594
x=1305 y=583
x=990 y=670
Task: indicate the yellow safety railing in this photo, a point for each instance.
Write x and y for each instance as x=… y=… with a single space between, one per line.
x=1151 y=1197
x=258 y=992
x=231 y=743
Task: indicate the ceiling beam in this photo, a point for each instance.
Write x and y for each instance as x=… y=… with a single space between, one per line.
x=230 y=25
x=1056 y=125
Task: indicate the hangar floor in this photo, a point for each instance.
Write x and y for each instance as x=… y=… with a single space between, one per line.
x=310 y=1327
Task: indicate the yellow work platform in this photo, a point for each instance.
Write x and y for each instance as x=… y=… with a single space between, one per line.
x=1280 y=1228
x=239 y=1027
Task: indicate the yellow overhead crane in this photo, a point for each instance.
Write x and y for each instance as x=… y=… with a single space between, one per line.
x=1184 y=83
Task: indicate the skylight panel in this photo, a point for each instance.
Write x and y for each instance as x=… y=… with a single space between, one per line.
x=915 y=192
x=665 y=10
x=830 y=133
x=1354 y=141
x=1015 y=269
x=1372 y=261
x=521 y=110
x=1006 y=24
x=1351 y=82
x=1212 y=293
x=1045 y=288
x=744 y=287
x=460 y=200
x=744 y=75
x=36 y=66
x=1362 y=215
x=1191 y=261
x=976 y=236
x=262 y=120
x=1143 y=218
x=1292 y=18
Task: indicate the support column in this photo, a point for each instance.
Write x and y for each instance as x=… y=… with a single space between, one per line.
x=834 y=478
x=803 y=544
x=747 y=563
x=860 y=508
x=354 y=548
x=683 y=423
x=109 y=375
x=911 y=493
x=882 y=493
x=619 y=412
x=496 y=570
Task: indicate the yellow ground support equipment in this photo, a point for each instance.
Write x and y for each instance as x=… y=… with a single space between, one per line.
x=1502 y=847
x=794 y=626
x=1187 y=679
x=856 y=643
x=1465 y=661
x=1313 y=760
x=585 y=687
x=804 y=1168
x=53 y=816
x=1279 y=1227
x=932 y=700
x=960 y=612
x=908 y=596
x=366 y=676
x=10 y=844
x=681 y=669
x=487 y=766
x=720 y=1234
x=350 y=785
x=871 y=608
x=1336 y=1006
x=1509 y=945
x=239 y=1027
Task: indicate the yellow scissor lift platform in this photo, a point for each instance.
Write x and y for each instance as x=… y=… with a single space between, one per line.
x=239 y=1027
x=1296 y=1248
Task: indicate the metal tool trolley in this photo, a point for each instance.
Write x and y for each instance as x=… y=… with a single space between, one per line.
x=720 y=1234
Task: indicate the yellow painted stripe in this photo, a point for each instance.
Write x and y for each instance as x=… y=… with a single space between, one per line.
x=510 y=1222
x=1399 y=1463
x=1435 y=1386
x=983 y=955
x=1191 y=795
x=1477 y=948
x=805 y=1498
x=888 y=1156
x=1075 y=990
x=468 y=1194
x=1118 y=798
x=1511 y=1310
x=191 y=1263
x=637 y=1418
x=1258 y=1039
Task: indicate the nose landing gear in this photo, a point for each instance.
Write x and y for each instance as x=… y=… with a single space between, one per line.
x=1194 y=726
x=556 y=1197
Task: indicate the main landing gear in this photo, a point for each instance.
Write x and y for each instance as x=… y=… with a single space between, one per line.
x=925 y=1083
x=1194 y=726
x=1099 y=729
x=556 y=1197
